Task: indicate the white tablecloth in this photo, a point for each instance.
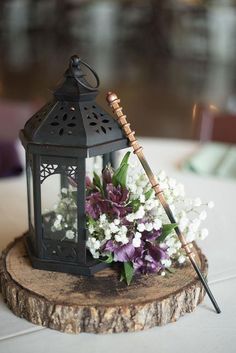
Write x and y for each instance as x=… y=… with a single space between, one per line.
x=201 y=331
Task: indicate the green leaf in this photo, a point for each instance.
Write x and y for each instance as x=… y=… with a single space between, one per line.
x=122 y=275
x=125 y=159
x=135 y=204
x=109 y=258
x=166 y=230
x=148 y=194
x=97 y=182
x=91 y=221
x=120 y=175
x=170 y=270
x=128 y=272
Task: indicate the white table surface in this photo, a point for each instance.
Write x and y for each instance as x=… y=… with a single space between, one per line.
x=202 y=331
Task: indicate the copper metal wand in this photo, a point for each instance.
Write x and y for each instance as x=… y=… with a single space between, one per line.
x=114 y=101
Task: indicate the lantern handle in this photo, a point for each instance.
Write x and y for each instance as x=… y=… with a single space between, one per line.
x=75 y=68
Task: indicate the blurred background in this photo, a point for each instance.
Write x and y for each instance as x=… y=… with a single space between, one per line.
x=165 y=58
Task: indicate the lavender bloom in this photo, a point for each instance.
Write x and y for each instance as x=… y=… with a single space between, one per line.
x=95 y=205
x=113 y=204
x=118 y=197
x=117 y=194
x=148 y=259
x=107 y=175
x=122 y=253
x=112 y=200
x=88 y=183
x=151 y=236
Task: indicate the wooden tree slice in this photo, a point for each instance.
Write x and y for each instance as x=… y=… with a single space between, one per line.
x=99 y=304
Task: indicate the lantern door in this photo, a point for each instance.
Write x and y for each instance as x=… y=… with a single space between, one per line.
x=59 y=211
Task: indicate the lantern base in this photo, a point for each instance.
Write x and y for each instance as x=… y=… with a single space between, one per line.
x=98 y=304
x=89 y=269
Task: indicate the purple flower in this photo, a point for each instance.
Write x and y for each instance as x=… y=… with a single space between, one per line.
x=95 y=205
x=148 y=259
x=151 y=236
x=118 y=197
x=107 y=175
x=88 y=183
x=122 y=253
x=113 y=203
x=117 y=194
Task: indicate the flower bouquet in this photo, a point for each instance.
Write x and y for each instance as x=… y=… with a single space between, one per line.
x=127 y=224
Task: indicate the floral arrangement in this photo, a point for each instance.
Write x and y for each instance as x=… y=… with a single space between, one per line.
x=128 y=225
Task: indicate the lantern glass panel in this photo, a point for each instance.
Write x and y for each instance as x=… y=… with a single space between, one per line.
x=98 y=163
x=59 y=202
x=94 y=164
x=30 y=196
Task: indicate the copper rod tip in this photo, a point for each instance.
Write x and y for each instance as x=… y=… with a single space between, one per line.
x=111 y=97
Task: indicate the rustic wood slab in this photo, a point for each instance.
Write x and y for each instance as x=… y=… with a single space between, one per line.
x=99 y=304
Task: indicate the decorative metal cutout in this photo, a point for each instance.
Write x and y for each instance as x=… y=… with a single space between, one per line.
x=46 y=170
x=35 y=121
x=98 y=120
x=71 y=171
x=49 y=169
x=63 y=123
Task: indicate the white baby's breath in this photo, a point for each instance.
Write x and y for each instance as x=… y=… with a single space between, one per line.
x=142 y=198
x=157 y=224
x=70 y=234
x=107 y=233
x=103 y=218
x=91 y=229
x=203 y=234
x=149 y=227
x=140 y=213
x=130 y=217
x=137 y=240
x=181 y=259
x=211 y=204
x=141 y=227
x=203 y=215
x=166 y=262
x=113 y=228
x=148 y=216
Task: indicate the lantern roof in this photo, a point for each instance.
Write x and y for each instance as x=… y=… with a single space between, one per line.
x=73 y=118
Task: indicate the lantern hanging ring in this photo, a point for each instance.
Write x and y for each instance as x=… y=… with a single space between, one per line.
x=75 y=66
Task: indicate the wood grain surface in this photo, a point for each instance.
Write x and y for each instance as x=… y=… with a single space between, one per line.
x=99 y=304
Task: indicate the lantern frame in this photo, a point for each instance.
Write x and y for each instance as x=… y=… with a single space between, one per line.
x=58 y=140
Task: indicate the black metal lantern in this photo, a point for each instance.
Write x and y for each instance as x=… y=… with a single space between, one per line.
x=59 y=140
